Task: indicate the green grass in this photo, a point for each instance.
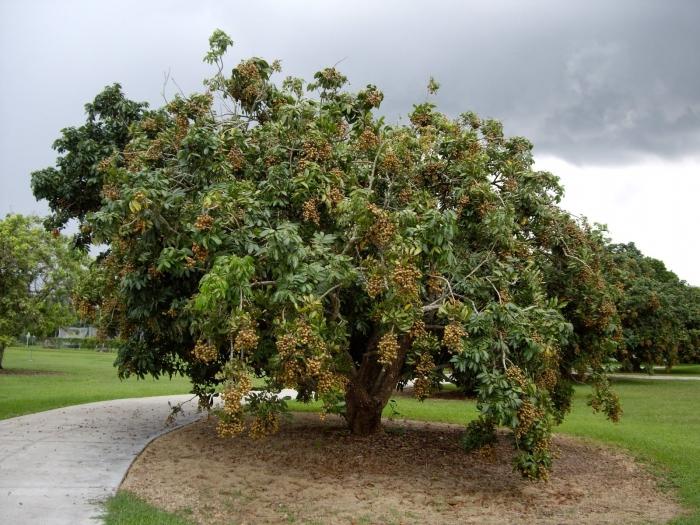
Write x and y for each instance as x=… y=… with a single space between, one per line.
x=440 y=410
x=686 y=369
x=58 y=378
x=127 y=509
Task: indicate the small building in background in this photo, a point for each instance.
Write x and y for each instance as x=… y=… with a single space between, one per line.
x=75 y=337
x=77 y=332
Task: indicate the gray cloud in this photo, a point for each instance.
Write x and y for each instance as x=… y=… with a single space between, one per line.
x=593 y=82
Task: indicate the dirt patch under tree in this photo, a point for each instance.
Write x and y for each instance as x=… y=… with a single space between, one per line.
x=315 y=472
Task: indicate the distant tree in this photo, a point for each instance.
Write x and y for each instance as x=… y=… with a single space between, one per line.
x=302 y=239
x=37 y=274
x=689 y=351
x=659 y=312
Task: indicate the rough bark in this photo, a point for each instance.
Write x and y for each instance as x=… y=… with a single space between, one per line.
x=370 y=389
x=2 y=354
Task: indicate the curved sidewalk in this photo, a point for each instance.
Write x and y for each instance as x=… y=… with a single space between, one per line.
x=56 y=467
x=655 y=377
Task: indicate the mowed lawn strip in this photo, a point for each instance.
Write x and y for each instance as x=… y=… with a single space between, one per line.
x=684 y=370
x=59 y=378
x=127 y=509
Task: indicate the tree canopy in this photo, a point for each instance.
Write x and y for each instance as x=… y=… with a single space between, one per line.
x=660 y=314
x=285 y=230
x=72 y=188
x=38 y=272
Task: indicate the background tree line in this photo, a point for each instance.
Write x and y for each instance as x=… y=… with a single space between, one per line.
x=38 y=273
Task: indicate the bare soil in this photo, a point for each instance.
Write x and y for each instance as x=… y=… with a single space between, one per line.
x=315 y=472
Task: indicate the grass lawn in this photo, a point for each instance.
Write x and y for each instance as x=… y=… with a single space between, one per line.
x=686 y=369
x=58 y=378
x=127 y=509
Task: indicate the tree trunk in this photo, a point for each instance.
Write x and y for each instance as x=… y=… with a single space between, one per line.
x=2 y=354
x=362 y=411
x=370 y=389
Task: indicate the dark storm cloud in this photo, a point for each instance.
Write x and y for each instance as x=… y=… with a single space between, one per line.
x=591 y=82
x=599 y=82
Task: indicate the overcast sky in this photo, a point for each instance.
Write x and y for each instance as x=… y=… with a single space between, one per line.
x=609 y=92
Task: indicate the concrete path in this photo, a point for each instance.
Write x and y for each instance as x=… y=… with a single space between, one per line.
x=655 y=377
x=56 y=466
